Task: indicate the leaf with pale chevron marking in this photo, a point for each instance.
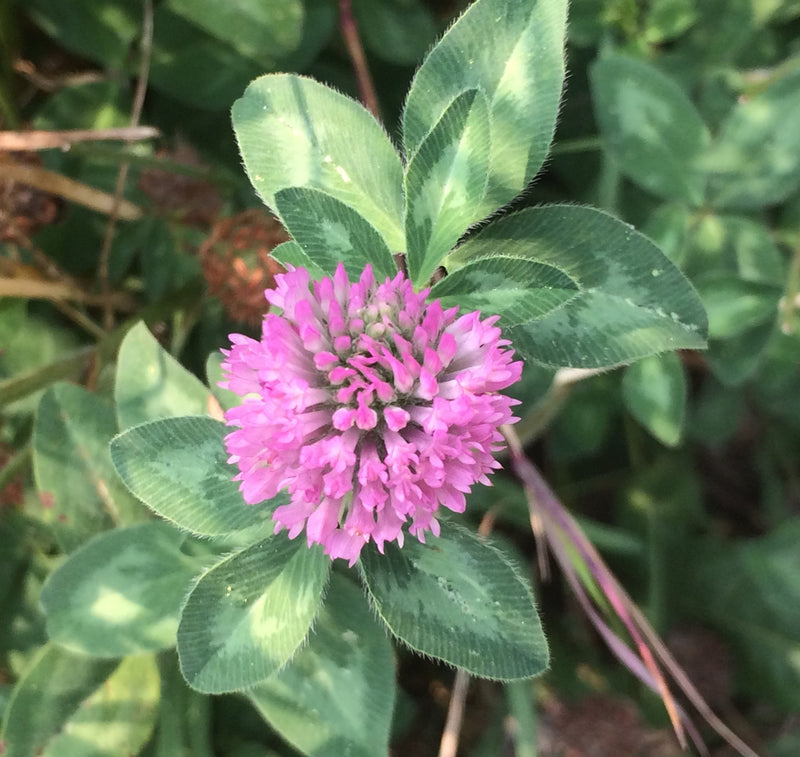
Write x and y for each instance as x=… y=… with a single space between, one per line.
x=513 y=52
x=178 y=467
x=446 y=182
x=329 y=231
x=336 y=696
x=295 y=132
x=459 y=599
x=520 y=289
x=651 y=128
x=291 y=253
x=248 y=614
x=630 y=302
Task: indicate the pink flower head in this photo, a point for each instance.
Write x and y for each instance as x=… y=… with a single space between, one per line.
x=369 y=405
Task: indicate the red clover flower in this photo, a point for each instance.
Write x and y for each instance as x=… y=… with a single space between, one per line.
x=369 y=405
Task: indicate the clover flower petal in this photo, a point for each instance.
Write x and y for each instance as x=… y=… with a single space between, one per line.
x=369 y=405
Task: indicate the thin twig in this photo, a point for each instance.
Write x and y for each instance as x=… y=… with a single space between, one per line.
x=47 y=83
x=12 y=141
x=352 y=41
x=122 y=176
x=13 y=267
x=685 y=684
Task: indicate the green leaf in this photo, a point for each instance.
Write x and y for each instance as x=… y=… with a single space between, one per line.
x=69 y=705
x=32 y=342
x=775 y=386
x=320 y=23
x=716 y=413
x=667 y=19
x=723 y=31
x=751 y=592
x=166 y=263
x=178 y=468
x=583 y=427
x=461 y=600
x=336 y=696
x=78 y=489
x=734 y=305
x=19 y=585
x=92 y=105
x=247 y=615
x=755 y=160
x=650 y=127
x=399 y=31
x=785 y=745
x=291 y=253
x=756 y=256
x=151 y=384
x=101 y=32
x=263 y=30
x=654 y=390
x=185 y=718
x=631 y=301
x=330 y=231
x=735 y=358
x=295 y=132
x=446 y=182
x=512 y=52
x=735 y=244
x=587 y=26
x=668 y=226
x=226 y=398
x=519 y=289
x=121 y=593
x=202 y=58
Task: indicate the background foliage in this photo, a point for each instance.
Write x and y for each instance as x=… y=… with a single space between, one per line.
x=679 y=117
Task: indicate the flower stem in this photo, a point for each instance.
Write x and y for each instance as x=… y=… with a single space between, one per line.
x=448 y=746
x=23 y=384
x=580 y=144
x=791 y=299
x=546 y=409
x=15 y=465
x=349 y=28
x=520 y=705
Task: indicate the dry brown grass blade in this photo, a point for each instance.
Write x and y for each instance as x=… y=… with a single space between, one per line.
x=448 y=746
x=644 y=637
x=69 y=189
x=39 y=289
x=19 y=141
